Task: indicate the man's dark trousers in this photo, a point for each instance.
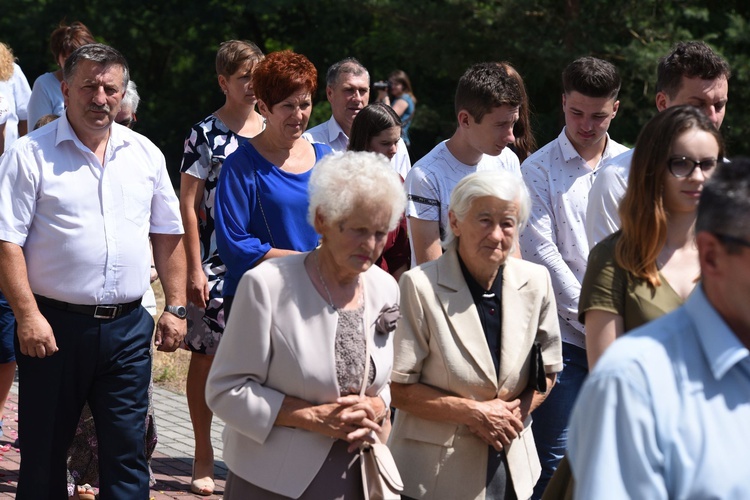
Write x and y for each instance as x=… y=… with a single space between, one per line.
x=107 y=363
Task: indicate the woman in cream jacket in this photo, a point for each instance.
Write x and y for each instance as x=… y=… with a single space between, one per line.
x=463 y=376
x=288 y=372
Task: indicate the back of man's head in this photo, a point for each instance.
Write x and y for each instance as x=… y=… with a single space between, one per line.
x=724 y=207
x=591 y=77
x=690 y=60
x=486 y=86
x=348 y=66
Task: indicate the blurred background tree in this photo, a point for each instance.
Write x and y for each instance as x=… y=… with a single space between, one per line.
x=170 y=46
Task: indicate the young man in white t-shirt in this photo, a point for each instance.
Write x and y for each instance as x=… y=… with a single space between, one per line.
x=486 y=103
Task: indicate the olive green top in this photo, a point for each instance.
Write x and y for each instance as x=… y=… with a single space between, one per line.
x=608 y=287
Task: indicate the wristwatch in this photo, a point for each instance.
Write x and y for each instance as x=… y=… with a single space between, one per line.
x=178 y=311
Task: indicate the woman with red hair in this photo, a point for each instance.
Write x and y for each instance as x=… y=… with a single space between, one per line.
x=261 y=199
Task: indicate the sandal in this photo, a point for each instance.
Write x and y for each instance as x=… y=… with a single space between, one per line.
x=86 y=492
x=203 y=486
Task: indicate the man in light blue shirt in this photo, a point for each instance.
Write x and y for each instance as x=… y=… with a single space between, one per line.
x=666 y=412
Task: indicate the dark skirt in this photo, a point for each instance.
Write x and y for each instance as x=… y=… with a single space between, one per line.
x=339 y=478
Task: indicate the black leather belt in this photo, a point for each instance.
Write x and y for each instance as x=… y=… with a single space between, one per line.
x=100 y=312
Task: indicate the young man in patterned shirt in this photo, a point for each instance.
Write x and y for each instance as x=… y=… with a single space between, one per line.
x=559 y=177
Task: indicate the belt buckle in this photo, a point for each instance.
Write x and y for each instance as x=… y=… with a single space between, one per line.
x=106 y=312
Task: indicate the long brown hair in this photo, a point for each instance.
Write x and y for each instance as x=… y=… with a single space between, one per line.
x=401 y=77
x=525 y=143
x=642 y=212
x=369 y=122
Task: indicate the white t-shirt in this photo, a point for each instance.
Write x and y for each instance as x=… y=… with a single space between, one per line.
x=17 y=91
x=4 y=109
x=430 y=182
x=46 y=99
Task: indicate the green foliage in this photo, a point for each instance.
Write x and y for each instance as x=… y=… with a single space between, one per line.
x=171 y=47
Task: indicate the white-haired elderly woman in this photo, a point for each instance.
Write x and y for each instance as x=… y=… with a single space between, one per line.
x=287 y=375
x=477 y=349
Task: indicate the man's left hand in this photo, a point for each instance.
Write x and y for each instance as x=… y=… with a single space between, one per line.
x=170 y=330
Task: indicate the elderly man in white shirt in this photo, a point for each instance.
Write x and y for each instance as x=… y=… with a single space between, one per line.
x=348 y=91
x=559 y=177
x=78 y=201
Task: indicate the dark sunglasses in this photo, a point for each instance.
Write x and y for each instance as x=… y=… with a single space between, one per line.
x=681 y=166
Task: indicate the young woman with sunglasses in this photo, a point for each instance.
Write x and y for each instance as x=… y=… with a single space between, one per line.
x=650 y=266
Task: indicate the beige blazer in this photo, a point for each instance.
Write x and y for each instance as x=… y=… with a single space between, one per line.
x=440 y=342
x=280 y=341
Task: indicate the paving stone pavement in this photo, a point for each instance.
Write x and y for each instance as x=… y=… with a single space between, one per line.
x=172 y=460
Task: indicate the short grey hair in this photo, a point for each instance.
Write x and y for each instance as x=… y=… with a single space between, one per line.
x=342 y=180
x=100 y=54
x=348 y=66
x=500 y=184
x=131 y=99
x=724 y=207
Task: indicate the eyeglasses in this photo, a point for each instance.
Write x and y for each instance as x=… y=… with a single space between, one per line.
x=732 y=240
x=681 y=166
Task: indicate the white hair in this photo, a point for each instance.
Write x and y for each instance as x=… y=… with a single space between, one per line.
x=131 y=99
x=341 y=181
x=499 y=184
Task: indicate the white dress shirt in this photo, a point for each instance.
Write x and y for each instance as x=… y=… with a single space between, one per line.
x=84 y=226
x=608 y=190
x=559 y=181
x=331 y=133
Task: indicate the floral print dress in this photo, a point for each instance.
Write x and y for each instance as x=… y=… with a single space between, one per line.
x=206 y=147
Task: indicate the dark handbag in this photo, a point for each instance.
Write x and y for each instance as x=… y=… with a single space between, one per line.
x=537 y=376
x=380 y=477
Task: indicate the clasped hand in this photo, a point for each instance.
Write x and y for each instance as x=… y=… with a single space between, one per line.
x=497 y=422
x=352 y=418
